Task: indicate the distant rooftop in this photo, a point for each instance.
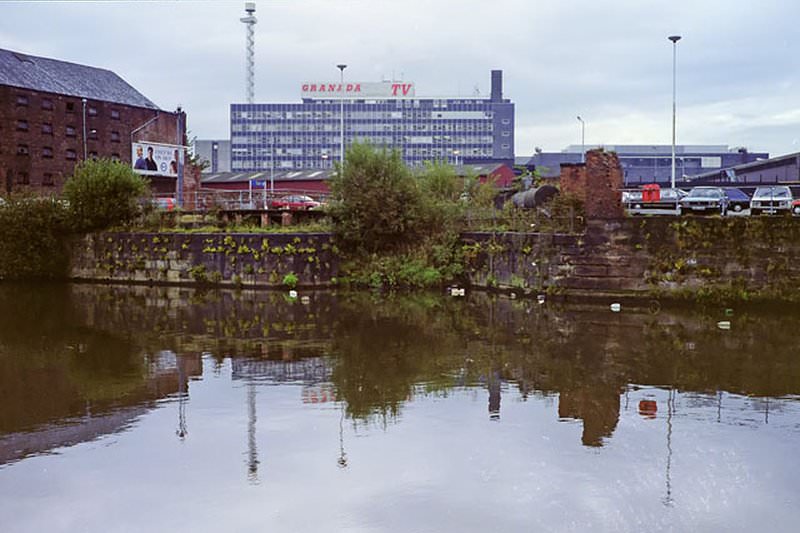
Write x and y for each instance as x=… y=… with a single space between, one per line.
x=655 y=148
x=71 y=79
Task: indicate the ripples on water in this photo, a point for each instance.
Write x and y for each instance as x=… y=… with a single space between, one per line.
x=139 y=409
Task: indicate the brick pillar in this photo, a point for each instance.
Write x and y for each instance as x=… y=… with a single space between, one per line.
x=598 y=183
x=191 y=184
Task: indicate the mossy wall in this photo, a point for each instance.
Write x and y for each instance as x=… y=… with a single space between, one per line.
x=254 y=260
x=716 y=258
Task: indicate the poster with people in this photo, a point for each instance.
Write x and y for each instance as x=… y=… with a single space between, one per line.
x=156 y=159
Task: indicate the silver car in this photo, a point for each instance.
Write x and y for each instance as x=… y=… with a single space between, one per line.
x=705 y=200
x=771 y=200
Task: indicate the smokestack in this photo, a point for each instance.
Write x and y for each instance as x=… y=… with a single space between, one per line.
x=497 y=86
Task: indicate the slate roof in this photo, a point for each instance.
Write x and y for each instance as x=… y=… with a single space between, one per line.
x=60 y=77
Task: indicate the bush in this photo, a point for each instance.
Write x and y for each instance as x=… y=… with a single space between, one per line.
x=33 y=243
x=104 y=193
x=376 y=204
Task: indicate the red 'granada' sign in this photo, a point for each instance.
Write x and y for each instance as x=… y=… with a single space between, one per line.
x=387 y=89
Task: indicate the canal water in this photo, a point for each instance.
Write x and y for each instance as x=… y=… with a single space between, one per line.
x=164 y=409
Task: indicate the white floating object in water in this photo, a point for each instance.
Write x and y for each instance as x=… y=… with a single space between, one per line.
x=305 y=300
x=724 y=324
x=615 y=307
x=455 y=291
x=292 y=293
x=540 y=298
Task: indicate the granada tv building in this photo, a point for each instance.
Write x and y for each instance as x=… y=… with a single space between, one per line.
x=54 y=114
x=307 y=135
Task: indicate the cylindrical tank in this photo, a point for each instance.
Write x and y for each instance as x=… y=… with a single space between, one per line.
x=534 y=197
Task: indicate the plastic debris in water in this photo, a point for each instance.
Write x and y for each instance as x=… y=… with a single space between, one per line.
x=292 y=293
x=540 y=298
x=305 y=300
x=724 y=324
x=615 y=307
x=729 y=312
x=456 y=291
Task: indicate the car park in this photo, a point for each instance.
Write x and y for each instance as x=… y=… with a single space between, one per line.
x=295 y=202
x=738 y=201
x=771 y=200
x=705 y=201
x=653 y=201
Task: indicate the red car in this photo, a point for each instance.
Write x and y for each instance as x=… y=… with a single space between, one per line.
x=295 y=202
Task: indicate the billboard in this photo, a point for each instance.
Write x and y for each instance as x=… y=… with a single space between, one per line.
x=385 y=89
x=156 y=159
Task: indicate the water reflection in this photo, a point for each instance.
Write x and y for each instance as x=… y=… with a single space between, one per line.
x=78 y=363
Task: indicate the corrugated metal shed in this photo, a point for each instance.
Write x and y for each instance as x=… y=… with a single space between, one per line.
x=71 y=79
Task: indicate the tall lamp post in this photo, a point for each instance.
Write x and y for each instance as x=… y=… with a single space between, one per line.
x=674 y=39
x=583 y=139
x=341 y=68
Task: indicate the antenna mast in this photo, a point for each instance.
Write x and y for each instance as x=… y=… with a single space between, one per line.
x=250 y=20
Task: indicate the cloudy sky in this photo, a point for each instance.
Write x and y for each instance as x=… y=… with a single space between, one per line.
x=608 y=61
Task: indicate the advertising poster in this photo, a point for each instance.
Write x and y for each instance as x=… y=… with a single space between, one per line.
x=156 y=159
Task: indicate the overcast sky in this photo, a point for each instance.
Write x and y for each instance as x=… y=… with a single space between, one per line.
x=608 y=61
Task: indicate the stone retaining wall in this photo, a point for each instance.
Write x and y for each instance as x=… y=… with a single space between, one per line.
x=256 y=260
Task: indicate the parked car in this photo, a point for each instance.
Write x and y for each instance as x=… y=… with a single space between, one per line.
x=796 y=207
x=295 y=202
x=705 y=200
x=738 y=201
x=166 y=203
x=665 y=202
x=771 y=200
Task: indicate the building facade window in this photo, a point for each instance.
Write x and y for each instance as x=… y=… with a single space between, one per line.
x=22 y=125
x=47 y=179
x=115 y=137
x=92 y=134
x=92 y=111
x=72 y=155
x=47 y=152
x=47 y=129
x=70 y=107
x=23 y=178
x=47 y=104
x=22 y=149
x=22 y=100
x=115 y=157
x=92 y=155
x=70 y=131
x=114 y=114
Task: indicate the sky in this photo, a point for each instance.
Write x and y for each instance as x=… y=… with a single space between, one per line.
x=608 y=61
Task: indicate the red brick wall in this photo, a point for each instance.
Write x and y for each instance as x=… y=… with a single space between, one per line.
x=598 y=183
x=46 y=165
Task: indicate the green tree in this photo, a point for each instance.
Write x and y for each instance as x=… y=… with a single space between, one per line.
x=104 y=193
x=376 y=203
x=33 y=240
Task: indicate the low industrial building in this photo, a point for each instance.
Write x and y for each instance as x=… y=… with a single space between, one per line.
x=54 y=114
x=649 y=163
x=783 y=169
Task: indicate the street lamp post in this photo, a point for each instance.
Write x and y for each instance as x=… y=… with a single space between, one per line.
x=674 y=39
x=583 y=139
x=341 y=68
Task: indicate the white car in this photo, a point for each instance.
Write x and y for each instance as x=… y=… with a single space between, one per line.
x=771 y=200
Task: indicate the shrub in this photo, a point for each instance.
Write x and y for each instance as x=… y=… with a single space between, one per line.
x=33 y=242
x=103 y=193
x=376 y=204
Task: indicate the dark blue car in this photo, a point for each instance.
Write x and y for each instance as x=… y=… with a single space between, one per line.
x=738 y=200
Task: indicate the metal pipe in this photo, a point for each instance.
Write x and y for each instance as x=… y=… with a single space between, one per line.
x=674 y=39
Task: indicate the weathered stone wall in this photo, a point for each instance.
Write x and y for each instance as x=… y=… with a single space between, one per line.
x=737 y=257
x=255 y=260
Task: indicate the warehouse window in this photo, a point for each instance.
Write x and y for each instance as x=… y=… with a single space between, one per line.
x=22 y=149
x=47 y=179
x=92 y=111
x=72 y=155
x=47 y=104
x=114 y=114
x=22 y=178
x=22 y=125
x=70 y=107
x=47 y=152
x=47 y=129
x=22 y=100
x=115 y=137
x=70 y=131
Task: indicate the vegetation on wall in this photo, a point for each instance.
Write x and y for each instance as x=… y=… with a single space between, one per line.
x=37 y=230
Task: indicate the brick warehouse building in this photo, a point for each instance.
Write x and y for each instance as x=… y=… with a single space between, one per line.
x=53 y=114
